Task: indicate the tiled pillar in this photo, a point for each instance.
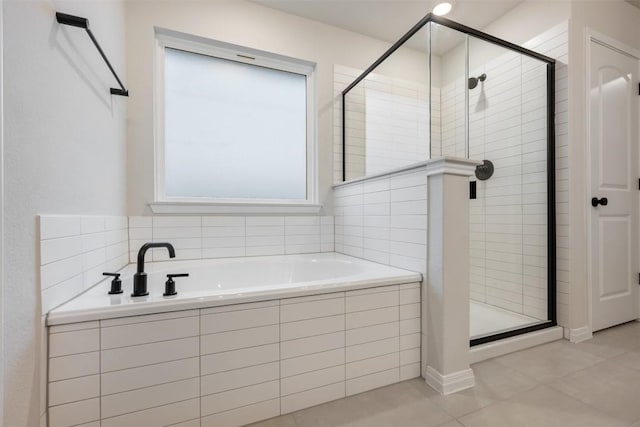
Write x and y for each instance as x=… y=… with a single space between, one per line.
x=447 y=283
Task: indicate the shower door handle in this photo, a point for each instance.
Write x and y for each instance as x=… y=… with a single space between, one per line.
x=595 y=201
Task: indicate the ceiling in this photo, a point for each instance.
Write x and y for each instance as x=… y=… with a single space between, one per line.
x=389 y=19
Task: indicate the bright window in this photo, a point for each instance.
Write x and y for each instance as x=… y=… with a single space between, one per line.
x=237 y=126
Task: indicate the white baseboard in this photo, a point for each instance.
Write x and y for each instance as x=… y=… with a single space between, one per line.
x=450 y=383
x=577 y=335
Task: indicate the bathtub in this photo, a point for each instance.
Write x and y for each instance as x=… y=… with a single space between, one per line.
x=229 y=281
x=244 y=340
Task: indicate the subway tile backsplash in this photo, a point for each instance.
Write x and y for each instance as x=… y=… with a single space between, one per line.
x=204 y=237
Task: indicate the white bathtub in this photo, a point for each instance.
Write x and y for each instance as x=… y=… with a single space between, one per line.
x=230 y=281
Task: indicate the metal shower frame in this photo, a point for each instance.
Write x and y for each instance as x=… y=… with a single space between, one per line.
x=551 y=182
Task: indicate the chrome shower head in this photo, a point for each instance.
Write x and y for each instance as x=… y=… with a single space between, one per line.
x=473 y=81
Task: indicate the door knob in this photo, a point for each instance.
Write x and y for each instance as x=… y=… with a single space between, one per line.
x=595 y=201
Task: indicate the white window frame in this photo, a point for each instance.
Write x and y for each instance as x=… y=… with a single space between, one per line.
x=190 y=43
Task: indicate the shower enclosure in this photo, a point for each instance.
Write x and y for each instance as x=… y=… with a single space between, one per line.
x=445 y=89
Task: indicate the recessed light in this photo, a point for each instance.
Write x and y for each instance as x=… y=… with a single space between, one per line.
x=442 y=8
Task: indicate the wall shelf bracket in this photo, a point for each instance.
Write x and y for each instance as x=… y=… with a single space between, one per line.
x=77 y=21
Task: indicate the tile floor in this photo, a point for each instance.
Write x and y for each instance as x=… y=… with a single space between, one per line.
x=592 y=384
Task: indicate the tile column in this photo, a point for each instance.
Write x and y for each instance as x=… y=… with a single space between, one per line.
x=446 y=288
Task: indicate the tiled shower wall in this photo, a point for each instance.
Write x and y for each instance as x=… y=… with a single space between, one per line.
x=204 y=237
x=509 y=224
x=387 y=123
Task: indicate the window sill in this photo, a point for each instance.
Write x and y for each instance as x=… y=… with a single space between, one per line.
x=187 y=208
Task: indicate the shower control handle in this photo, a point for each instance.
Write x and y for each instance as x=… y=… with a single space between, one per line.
x=595 y=201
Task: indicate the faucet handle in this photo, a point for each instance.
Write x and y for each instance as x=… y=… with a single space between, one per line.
x=170 y=285
x=116 y=283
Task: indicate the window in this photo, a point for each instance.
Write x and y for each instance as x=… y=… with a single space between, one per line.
x=234 y=125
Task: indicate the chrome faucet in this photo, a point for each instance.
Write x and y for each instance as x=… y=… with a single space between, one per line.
x=140 y=278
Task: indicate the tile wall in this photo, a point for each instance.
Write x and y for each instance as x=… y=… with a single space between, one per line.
x=232 y=365
x=203 y=237
x=384 y=220
x=387 y=123
x=75 y=251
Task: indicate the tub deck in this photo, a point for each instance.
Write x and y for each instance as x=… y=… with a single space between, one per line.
x=230 y=281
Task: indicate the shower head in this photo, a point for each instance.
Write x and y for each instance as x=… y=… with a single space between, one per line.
x=473 y=81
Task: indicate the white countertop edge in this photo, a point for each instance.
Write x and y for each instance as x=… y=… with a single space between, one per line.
x=61 y=318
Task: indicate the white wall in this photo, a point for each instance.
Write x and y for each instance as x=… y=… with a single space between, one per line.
x=246 y=24
x=64 y=152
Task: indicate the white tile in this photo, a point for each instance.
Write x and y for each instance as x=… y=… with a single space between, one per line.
x=238 y=378
x=91 y=242
x=235 y=320
x=312 y=362
x=148 y=332
x=310 y=380
x=410 y=341
x=119 y=222
x=409 y=296
x=59 y=271
x=223 y=252
x=75 y=413
x=61 y=292
x=73 y=390
x=223 y=221
x=372 y=349
x=233 y=340
x=74 y=366
x=313 y=397
x=238 y=307
x=369 y=382
x=176 y=232
x=150 y=375
x=236 y=359
x=60 y=248
x=312 y=309
x=232 y=399
x=149 y=397
x=409 y=357
x=371 y=301
x=311 y=327
x=410 y=311
x=253 y=221
x=302 y=221
x=147 y=354
x=53 y=226
x=177 y=221
x=372 y=317
x=408 y=372
x=296 y=300
x=245 y=415
x=66 y=343
x=148 y=318
x=409 y=326
x=223 y=232
x=372 y=333
x=265 y=250
x=319 y=343
x=172 y=413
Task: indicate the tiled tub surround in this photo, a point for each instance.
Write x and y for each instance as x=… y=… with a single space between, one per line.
x=401 y=218
x=75 y=251
x=233 y=364
x=207 y=237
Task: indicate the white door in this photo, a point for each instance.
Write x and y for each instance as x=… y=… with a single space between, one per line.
x=614 y=186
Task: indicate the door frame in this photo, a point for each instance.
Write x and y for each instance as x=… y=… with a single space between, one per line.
x=602 y=39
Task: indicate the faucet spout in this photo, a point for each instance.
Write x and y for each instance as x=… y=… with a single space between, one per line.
x=140 y=278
